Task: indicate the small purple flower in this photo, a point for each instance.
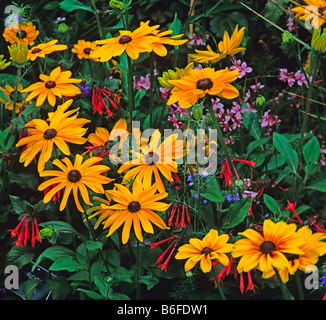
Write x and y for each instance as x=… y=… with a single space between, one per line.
x=236 y=198
x=229 y=197
x=323 y=280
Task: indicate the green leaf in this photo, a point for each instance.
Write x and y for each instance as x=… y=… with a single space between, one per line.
x=4 y=96
x=25 y=180
x=256 y=144
x=150 y=281
x=93 y=245
x=275 y=162
x=236 y=213
x=60 y=287
x=251 y=122
x=212 y=193
x=67 y=264
x=286 y=150
x=227 y=22
x=272 y=205
x=20 y=206
x=117 y=296
x=319 y=186
x=58 y=226
x=71 y=5
x=29 y=288
x=311 y=151
x=175 y=26
x=53 y=253
x=19 y=256
x=92 y=294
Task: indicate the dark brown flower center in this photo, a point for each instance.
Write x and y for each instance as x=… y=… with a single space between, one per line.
x=134 y=206
x=124 y=39
x=49 y=134
x=87 y=51
x=206 y=251
x=151 y=158
x=267 y=247
x=291 y=256
x=36 y=50
x=74 y=176
x=21 y=34
x=50 y=84
x=204 y=84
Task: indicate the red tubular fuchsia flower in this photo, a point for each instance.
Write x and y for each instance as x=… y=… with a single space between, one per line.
x=22 y=230
x=291 y=207
x=99 y=103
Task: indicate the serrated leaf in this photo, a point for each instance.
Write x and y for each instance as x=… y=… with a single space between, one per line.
x=26 y=180
x=20 y=256
x=53 y=253
x=67 y=264
x=71 y=5
x=236 y=213
x=60 y=287
x=29 y=288
x=20 y=206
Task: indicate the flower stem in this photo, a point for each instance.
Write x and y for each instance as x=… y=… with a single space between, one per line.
x=97 y=20
x=19 y=71
x=151 y=96
x=130 y=91
x=310 y=93
x=284 y=290
x=221 y=140
x=138 y=258
x=220 y=289
x=299 y=285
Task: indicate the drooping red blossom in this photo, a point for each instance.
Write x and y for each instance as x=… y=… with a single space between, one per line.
x=184 y=216
x=99 y=103
x=291 y=207
x=22 y=230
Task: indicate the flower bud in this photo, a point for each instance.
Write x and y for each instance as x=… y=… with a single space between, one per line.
x=117 y=5
x=318 y=41
x=3 y=63
x=18 y=54
x=63 y=28
x=197 y=112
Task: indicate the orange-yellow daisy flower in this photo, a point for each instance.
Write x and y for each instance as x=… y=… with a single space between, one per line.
x=84 y=49
x=135 y=208
x=163 y=39
x=314 y=10
x=133 y=43
x=212 y=247
x=43 y=136
x=207 y=56
x=154 y=160
x=25 y=34
x=267 y=251
x=189 y=89
x=9 y=92
x=57 y=84
x=75 y=177
x=41 y=50
x=230 y=46
x=313 y=248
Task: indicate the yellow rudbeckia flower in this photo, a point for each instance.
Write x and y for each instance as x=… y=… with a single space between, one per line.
x=211 y=247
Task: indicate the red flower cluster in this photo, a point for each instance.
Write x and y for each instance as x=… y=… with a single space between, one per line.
x=174 y=243
x=99 y=103
x=22 y=230
x=176 y=209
